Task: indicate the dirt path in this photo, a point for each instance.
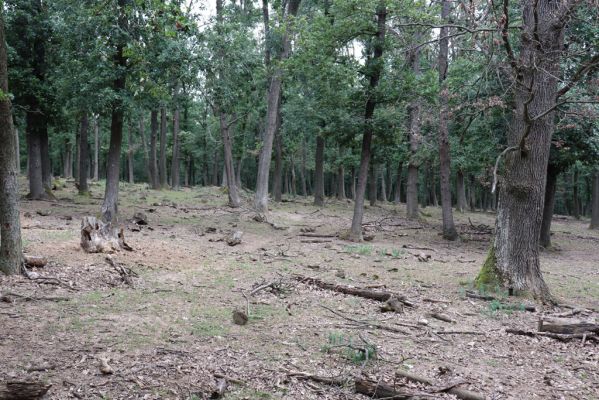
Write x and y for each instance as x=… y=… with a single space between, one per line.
x=171 y=335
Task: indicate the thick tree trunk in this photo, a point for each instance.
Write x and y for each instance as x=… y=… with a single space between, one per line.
x=175 y=161
x=461 y=191
x=272 y=112
x=374 y=65
x=515 y=254
x=550 y=187
x=96 y=149
x=595 y=201
x=163 y=178
x=449 y=231
x=83 y=155
x=130 y=153
x=397 y=196
x=154 y=181
x=111 y=193
x=319 y=173
x=229 y=169
x=10 y=228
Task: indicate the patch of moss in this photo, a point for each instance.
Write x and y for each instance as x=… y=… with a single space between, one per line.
x=489 y=275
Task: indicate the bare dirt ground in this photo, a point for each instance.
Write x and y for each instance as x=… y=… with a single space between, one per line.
x=171 y=335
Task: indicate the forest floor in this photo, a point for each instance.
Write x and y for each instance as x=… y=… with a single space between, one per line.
x=170 y=335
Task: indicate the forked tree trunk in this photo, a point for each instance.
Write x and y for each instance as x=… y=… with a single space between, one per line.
x=96 y=149
x=10 y=228
x=514 y=257
x=272 y=112
x=175 y=159
x=595 y=201
x=549 y=203
x=449 y=231
x=319 y=173
x=111 y=193
x=83 y=155
x=154 y=181
x=397 y=196
x=229 y=169
x=162 y=161
x=374 y=65
x=461 y=191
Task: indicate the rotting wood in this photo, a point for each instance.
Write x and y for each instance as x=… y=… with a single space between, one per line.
x=567 y=325
x=125 y=273
x=463 y=394
x=23 y=390
x=379 y=390
x=376 y=295
x=99 y=237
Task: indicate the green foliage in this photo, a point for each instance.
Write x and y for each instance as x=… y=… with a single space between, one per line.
x=356 y=351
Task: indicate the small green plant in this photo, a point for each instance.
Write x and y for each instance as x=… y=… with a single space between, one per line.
x=357 y=353
x=363 y=249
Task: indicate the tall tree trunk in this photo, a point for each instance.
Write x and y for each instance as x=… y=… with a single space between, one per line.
x=34 y=156
x=111 y=193
x=154 y=181
x=414 y=141
x=397 y=198
x=303 y=168
x=461 y=191
x=96 y=149
x=272 y=112
x=18 y=151
x=374 y=65
x=595 y=201
x=449 y=231
x=130 y=153
x=575 y=197
x=162 y=160
x=319 y=172
x=384 y=198
x=234 y=200
x=10 y=227
x=175 y=161
x=515 y=253
x=83 y=155
x=372 y=187
x=550 y=187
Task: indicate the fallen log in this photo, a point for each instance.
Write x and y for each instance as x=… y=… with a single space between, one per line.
x=567 y=325
x=557 y=336
x=376 y=295
x=458 y=392
x=23 y=390
x=378 y=390
x=318 y=235
x=316 y=241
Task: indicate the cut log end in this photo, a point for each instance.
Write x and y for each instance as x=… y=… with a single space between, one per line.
x=99 y=237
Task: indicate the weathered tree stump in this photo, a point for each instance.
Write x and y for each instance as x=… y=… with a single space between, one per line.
x=99 y=237
x=23 y=390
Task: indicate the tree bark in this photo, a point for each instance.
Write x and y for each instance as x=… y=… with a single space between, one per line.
x=154 y=181
x=414 y=141
x=595 y=201
x=175 y=159
x=34 y=156
x=234 y=200
x=83 y=155
x=449 y=231
x=96 y=149
x=130 y=152
x=45 y=155
x=397 y=198
x=549 y=203
x=273 y=103
x=111 y=193
x=374 y=64
x=18 y=151
x=372 y=187
x=515 y=254
x=162 y=160
x=277 y=189
x=11 y=256
x=319 y=172
x=461 y=191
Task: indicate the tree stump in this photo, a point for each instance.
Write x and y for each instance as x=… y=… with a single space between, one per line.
x=98 y=237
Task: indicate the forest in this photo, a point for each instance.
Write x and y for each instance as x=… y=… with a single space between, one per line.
x=299 y=199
